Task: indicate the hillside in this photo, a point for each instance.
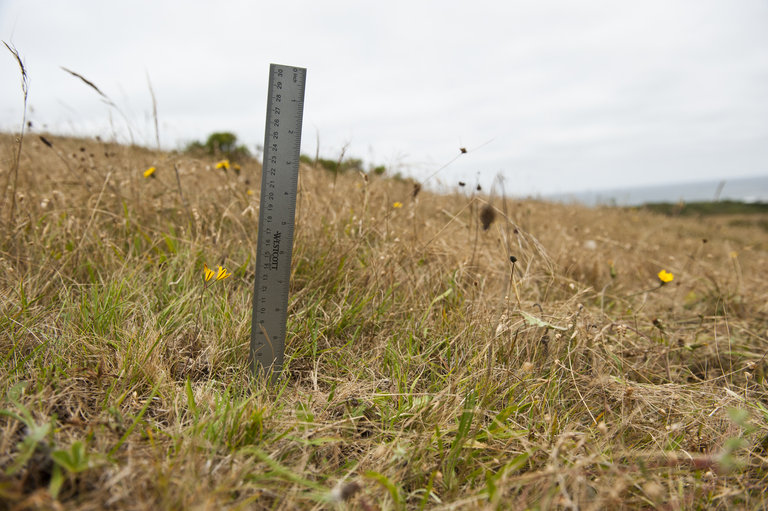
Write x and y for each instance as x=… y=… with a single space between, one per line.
x=424 y=368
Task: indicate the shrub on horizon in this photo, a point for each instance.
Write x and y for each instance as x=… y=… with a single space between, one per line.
x=221 y=144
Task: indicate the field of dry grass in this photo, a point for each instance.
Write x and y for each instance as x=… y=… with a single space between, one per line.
x=424 y=368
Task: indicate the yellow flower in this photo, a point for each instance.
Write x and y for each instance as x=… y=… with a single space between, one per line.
x=236 y=167
x=249 y=192
x=222 y=273
x=150 y=172
x=223 y=164
x=665 y=277
x=397 y=205
x=207 y=273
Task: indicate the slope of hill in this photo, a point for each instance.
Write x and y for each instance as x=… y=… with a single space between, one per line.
x=430 y=363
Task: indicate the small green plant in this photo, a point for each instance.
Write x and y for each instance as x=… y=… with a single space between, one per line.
x=37 y=435
x=66 y=463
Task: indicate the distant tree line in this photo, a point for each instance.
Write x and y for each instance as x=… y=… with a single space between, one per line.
x=222 y=145
x=341 y=166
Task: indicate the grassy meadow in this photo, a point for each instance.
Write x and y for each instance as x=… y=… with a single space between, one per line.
x=431 y=363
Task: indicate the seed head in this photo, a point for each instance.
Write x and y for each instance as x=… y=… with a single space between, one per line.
x=487 y=216
x=345 y=491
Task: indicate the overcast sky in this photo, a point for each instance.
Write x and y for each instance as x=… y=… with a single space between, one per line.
x=556 y=96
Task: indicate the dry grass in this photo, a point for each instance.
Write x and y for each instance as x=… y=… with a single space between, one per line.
x=423 y=368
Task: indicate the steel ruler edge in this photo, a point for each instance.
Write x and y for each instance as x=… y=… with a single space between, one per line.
x=277 y=212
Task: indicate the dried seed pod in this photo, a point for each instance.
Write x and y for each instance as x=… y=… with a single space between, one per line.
x=346 y=491
x=487 y=216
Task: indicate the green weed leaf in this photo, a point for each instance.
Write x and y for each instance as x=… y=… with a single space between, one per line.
x=534 y=321
x=74 y=460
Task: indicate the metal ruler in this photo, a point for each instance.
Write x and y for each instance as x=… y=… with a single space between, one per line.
x=277 y=211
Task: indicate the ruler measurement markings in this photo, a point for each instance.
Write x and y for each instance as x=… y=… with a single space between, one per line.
x=282 y=143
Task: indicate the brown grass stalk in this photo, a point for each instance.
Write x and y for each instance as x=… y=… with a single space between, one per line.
x=17 y=154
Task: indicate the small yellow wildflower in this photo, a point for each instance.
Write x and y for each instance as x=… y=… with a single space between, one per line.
x=207 y=273
x=665 y=277
x=223 y=164
x=249 y=192
x=397 y=205
x=222 y=273
x=236 y=167
x=150 y=172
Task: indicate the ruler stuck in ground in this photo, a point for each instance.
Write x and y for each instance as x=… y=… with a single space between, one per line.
x=277 y=210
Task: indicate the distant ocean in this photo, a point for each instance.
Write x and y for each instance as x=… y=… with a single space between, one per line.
x=750 y=189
